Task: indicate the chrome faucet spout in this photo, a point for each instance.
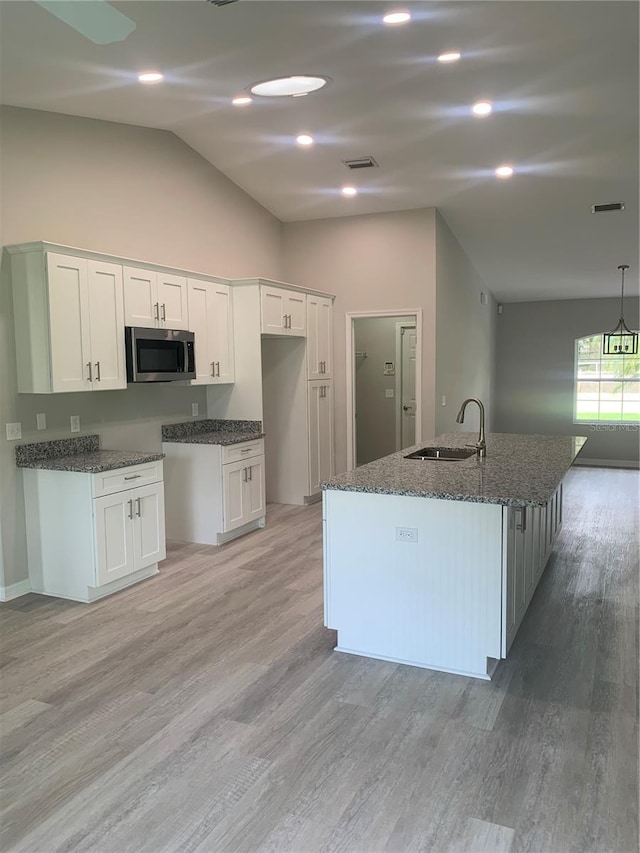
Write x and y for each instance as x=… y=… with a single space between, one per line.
x=481 y=444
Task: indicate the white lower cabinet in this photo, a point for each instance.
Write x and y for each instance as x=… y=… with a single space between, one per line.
x=89 y=535
x=214 y=493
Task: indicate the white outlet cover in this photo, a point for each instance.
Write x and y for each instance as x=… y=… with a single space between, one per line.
x=14 y=431
x=194 y=409
x=41 y=421
x=388 y=392
x=75 y=423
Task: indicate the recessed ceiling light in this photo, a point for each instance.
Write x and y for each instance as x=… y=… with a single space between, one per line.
x=450 y=56
x=304 y=139
x=150 y=77
x=349 y=191
x=241 y=99
x=482 y=108
x=287 y=87
x=504 y=171
x=396 y=18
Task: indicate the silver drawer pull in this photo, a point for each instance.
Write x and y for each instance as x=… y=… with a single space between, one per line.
x=164 y=311
x=133 y=477
x=247 y=450
x=90 y=376
x=138 y=510
x=249 y=469
x=156 y=306
x=130 y=508
x=97 y=371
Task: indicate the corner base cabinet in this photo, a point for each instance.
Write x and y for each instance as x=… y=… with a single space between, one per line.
x=215 y=493
x=89 y=535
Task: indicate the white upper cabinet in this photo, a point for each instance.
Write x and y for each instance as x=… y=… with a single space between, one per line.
x=283 y=312
x=69 y=322
x=211 y=320
x=319 y=337
x=155 y=300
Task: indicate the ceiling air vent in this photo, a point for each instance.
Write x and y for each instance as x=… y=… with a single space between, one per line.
x=360 y=163
x=605 y=208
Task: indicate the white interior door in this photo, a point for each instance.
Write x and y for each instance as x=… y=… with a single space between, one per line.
x=408 y=386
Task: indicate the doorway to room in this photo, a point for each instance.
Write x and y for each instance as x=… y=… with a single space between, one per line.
x=383 y=375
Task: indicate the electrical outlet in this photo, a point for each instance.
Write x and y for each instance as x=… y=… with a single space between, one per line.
x=388 y=392
x=14 y=432
x=194 y=409
x=75 y=423
x=407 y=534
x=444 y=400
x=41 y=421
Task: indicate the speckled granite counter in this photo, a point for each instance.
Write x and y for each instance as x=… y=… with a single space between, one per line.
x=519 y=470
x=81 y=455
x=212 y=432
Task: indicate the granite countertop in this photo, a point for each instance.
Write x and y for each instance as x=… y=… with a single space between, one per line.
x=81 y=455
x=519 y=470
x=209 y=431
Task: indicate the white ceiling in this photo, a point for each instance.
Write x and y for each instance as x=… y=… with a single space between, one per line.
x=563 y=77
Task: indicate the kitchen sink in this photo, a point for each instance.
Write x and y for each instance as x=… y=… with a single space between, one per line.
x=446 y=454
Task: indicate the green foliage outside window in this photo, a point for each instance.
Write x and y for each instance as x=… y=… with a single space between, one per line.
x=607 y=388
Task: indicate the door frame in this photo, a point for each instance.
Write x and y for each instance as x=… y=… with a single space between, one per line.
x=350 y=317
x=398 y=384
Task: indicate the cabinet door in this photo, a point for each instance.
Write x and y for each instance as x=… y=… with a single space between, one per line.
x=114 y=545
x=222 y=329
x=148 y=526
x=172 y=301
x=272 y=310
x=141 y=306
x=234 y=476
x=201 y=323
x=319 y=338
x=106 y=323
x=514 y=602
x=320 y=425
x=295 y=308
x=255 y=494
x=69 y=323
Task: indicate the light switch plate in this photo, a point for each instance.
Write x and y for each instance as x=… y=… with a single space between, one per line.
x=194 y=409
x=75 y=423
x=388 y=392
x=41 y=421
x=444 y=400
x=14 y=431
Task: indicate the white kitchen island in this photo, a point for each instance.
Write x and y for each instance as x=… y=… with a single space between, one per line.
x=433 y=563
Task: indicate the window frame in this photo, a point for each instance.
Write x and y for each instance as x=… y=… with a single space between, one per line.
x=599 y=381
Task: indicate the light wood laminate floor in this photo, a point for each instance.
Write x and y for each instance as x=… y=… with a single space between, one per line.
x=204 y=710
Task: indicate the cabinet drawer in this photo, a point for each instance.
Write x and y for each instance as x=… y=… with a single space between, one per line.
x=245 y=450
x=110 y=482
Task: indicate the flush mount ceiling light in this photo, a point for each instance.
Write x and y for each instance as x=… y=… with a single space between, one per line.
x=349 y=191
x=621 y=341
x=396 y=18
x=304 y=139
x=450 y=56
x=241 y=99
x=150 y=76
x=482 y=108
x=288 y=87
x=504 y=171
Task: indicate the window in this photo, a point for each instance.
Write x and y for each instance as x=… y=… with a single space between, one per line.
x=607 y=388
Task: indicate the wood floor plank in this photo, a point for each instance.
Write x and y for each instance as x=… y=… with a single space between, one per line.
x=205 y=710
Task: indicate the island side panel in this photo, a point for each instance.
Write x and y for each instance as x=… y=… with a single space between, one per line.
x=435 y=602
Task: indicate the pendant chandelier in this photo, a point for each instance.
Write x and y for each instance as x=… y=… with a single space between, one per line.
x=621 y=341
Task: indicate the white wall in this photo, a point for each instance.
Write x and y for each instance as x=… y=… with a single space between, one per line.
x=132 y=192
x=380 y=262
x=465 y=345
x=535 y=377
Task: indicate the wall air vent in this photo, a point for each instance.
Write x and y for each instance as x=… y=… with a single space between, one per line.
x=221 y=2
x=605 y=208
x=360 y=163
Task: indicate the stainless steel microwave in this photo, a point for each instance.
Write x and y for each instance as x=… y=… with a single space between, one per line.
x=159 y=355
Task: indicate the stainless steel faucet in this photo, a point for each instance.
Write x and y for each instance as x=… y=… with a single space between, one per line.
x=481 y=445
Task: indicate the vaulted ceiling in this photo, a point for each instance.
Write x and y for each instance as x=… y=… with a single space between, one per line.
x=562 y=77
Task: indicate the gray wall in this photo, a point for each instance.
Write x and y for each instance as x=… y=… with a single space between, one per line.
x=376 y=414
x=465 y=341
x=380 y=262
x=133 y=192
x=535 y=371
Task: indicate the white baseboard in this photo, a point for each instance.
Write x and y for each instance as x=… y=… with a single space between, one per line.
x=15 y=590
x=608 y=463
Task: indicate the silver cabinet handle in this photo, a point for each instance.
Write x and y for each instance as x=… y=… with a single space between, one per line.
x=156 y=306
x=244 y=475
x=138 y=510
x=97 y=371
x=164 y=312
x=218 y=368
x=247 y=450
x=130 y=502
x=249 y=470
x=522 y=524
x=90 y=374
x=213 y=368
x=133 y=477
